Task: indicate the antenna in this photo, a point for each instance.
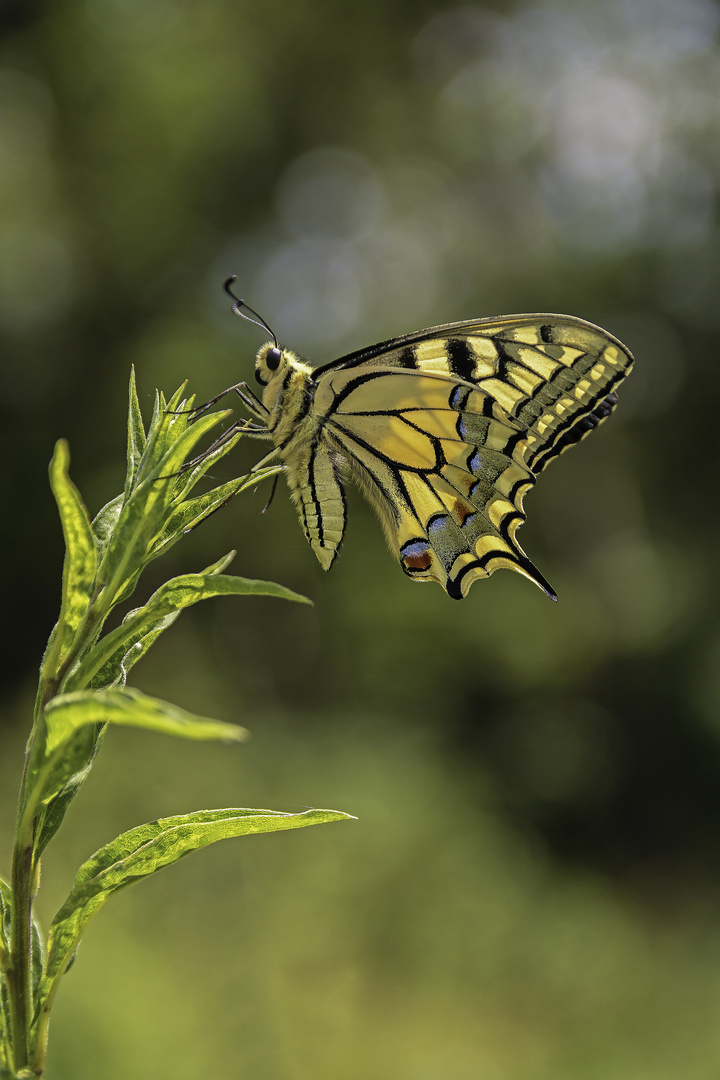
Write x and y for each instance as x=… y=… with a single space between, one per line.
x=238 y=306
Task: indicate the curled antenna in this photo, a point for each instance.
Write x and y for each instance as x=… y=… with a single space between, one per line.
x=238 y=306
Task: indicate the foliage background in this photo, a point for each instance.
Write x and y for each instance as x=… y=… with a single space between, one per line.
x=532 y=888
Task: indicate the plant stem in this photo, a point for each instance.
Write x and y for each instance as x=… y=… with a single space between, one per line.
x=20 y=973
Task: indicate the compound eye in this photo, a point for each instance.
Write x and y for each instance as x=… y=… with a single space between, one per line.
x=273 y=358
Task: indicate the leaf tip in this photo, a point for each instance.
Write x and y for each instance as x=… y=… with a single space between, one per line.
x=61 y=454
x=237 y=735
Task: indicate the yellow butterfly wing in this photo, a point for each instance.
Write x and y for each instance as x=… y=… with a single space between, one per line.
x=445 y=431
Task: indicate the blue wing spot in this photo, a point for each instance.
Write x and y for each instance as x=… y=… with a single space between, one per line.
x=475 y=462
x=437 y=524
x=458 y=397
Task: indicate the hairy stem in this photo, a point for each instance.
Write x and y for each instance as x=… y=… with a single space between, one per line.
x=19 y=976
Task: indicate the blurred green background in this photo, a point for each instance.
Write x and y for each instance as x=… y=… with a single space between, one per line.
x=532 y=889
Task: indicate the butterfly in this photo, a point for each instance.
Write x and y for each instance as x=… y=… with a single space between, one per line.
x=443 y=430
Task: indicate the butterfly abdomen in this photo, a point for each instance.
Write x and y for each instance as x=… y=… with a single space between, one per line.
x=320 y=499
x=311 y=471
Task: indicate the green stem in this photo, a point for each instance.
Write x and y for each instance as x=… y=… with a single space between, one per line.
x=27 y=1059
x=19 y=976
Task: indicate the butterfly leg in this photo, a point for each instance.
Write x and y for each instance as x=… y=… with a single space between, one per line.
x=200 y=409
x=251 y=403
x=245 y=394
x=245 y=427
x=273 y=488
x=265 y=460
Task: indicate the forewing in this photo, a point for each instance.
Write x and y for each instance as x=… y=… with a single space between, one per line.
x=554 y=375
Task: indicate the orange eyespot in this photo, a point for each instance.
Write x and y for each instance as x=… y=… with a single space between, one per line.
x=415 y=556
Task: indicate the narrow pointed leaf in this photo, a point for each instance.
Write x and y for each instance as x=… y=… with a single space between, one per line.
x=76 y=722
x=145 y=850
x=156 y=419
x=105 y=521
x=142 y=516
x=168 y=422
x=67 y=713
x=79 y=757
x=37 y=954
x=188 y=479
x=192 y=512
x=80 y=566
x=115 y=669
x=220 y=565
x=176 y=403
x=136 y=435
x=179 y=592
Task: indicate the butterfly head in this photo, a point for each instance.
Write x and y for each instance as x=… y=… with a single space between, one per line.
x=270 y=362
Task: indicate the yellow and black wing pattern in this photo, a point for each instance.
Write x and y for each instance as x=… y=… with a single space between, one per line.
x=446 y=430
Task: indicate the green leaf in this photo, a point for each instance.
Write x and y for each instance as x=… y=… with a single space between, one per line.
x=155 y=511
x=75 y=725
x=168 y=422
x=187 y=480
x=80 y=756
x=141 y=519
x=190 y=513
x=80 y=566
x=177 y=418
x=106 y=520
x=178 y=593
x=116 y=668
x=67 y=713
x=143 y=851
x=175 y=404
x=136 y=435
x=219 y=565
x=37 y=958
